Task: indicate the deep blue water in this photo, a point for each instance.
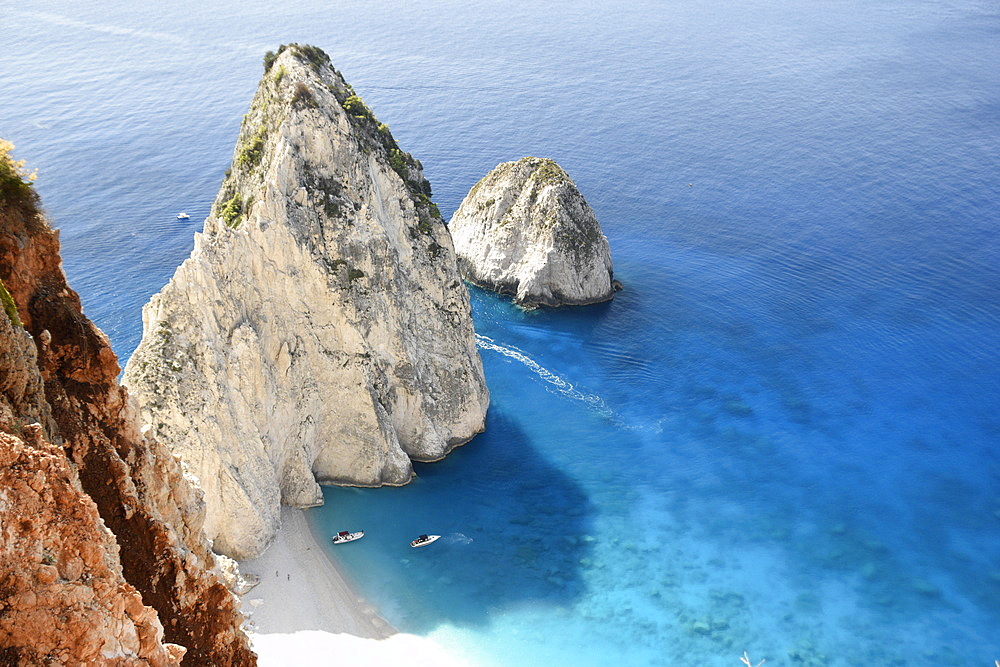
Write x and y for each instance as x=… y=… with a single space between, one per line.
x=782 y=437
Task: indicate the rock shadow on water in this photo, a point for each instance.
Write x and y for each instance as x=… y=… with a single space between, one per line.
x=514 y=532
x=581 y=320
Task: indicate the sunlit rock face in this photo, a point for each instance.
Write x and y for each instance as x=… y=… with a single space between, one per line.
x=525 y=230
x=320 y=331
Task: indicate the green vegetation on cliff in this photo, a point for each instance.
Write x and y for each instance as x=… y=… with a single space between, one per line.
x=15 y=180
x=251 y=154
x=303 y=97
x=548 y=172
x=356 y=106
x=232 y=211
x=315 y=56
x=9 y=306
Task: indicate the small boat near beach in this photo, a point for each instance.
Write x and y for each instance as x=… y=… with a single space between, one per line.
x=183 y=216
x=424 y=540
x=344 y=536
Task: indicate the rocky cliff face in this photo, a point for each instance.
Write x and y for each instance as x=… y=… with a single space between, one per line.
x=320 y=331
x=102 y=549
x=63 y=599
x=526 y=230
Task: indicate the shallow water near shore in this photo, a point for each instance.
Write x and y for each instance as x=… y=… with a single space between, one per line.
x=780 y=438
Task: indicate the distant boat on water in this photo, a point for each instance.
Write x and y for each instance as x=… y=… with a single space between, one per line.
x=345 y=536
x=423 y=540
x=183 y=216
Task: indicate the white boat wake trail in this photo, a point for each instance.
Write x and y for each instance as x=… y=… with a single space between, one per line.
x=555 y=383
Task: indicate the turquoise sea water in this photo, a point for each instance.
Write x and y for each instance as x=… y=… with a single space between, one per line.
x=782 y=437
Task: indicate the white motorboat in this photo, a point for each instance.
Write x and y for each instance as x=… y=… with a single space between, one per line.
x=344 y=536
x=183 y=216
x=424 y=540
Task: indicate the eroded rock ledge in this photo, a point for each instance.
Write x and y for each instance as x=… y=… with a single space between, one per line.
x=319 y=332
x=525 y=230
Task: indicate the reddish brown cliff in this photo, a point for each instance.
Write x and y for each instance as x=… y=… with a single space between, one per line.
x=62 y=596
x=154 y=515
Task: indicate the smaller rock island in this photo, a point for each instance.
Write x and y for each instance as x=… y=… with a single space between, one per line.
x=526 y=230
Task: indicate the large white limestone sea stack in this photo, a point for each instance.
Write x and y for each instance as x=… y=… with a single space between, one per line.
x=320 y=330
x=526 y=230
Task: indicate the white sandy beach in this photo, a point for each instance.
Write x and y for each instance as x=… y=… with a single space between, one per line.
x=304 y=612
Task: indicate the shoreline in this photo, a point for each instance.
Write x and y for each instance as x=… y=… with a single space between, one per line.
x=304 y=610
x=301 y=588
